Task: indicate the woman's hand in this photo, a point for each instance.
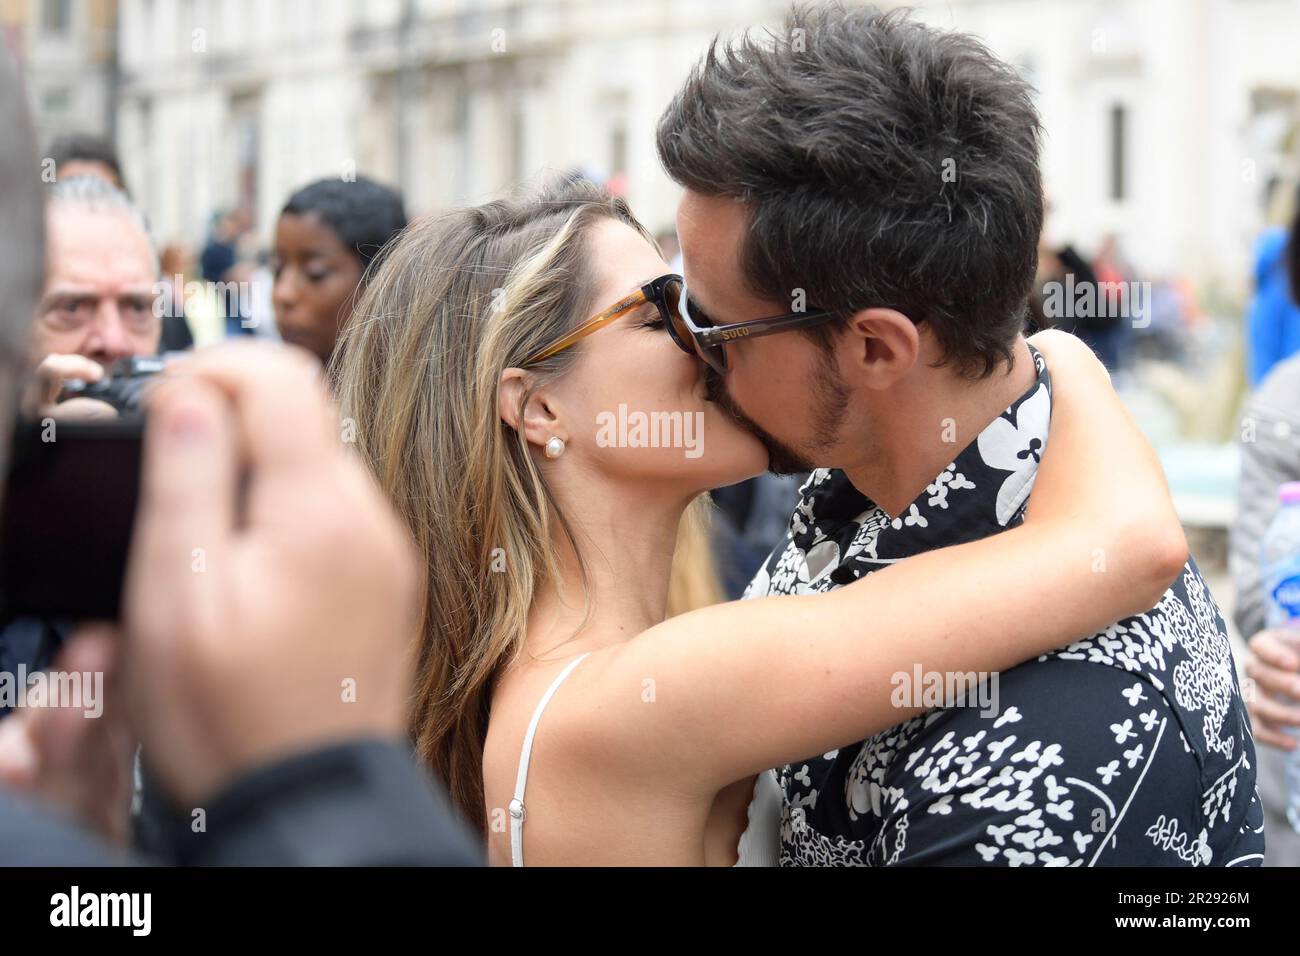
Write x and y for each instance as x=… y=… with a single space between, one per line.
x=1101 y=482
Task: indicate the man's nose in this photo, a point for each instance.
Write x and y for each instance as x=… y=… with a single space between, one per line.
x=109 y=341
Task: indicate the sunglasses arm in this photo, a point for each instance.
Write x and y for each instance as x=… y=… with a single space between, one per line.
x=756 y=328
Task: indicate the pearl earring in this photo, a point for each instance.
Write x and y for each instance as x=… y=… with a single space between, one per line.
x=555 y=448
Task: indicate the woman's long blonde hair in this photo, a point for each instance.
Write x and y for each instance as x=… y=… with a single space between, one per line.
x=459 y=299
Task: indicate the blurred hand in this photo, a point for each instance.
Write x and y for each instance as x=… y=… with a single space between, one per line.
x=81 y=764
x=270 y=602
x=1274 y=666
x=42 y=398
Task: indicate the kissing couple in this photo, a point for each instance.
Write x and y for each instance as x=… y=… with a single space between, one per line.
x=859 y=228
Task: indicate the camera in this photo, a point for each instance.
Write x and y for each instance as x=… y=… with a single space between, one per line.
x=124 y=385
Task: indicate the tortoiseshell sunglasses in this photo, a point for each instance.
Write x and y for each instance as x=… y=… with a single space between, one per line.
x=687 y=324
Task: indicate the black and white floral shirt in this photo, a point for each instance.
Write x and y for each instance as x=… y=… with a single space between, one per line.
x=1131 y=747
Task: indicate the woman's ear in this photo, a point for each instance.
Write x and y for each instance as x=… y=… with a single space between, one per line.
x=889 y=345
x=539 y=423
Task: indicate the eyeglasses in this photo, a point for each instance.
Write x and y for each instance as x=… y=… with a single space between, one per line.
x=662 y=292
x=695 y=332
x=688 y=325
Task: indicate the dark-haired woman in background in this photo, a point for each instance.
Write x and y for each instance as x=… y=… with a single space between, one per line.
x=328 y=234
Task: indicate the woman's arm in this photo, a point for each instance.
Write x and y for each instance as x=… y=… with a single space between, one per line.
x=742 y=686
x=1099 y=469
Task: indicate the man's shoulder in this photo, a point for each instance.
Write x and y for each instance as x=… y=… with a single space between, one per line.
x=1181 y=648
x=1145 y=715
x=1078 y=764
x=1172 y=664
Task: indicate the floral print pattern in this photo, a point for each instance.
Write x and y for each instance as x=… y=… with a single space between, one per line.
x=1131 y=747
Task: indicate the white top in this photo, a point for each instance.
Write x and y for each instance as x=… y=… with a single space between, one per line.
x=759 y=845
x=517 y=812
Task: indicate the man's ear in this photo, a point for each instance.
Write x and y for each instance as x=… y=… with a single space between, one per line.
x=539 y=423
x=887 y=346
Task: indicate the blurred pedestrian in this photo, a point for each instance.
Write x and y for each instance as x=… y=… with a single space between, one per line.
x=1273 y=316
x=98 y=304
x=176 y=263
x=84 y=154
x=219 y=256
x=329 y=235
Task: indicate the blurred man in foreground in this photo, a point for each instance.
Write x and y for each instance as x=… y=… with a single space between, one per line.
x=269 y=690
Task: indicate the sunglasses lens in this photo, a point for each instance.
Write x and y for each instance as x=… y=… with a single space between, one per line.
x=713 y=355
x=677 y=329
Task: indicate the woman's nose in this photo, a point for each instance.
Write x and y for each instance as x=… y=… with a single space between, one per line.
x=284 y=291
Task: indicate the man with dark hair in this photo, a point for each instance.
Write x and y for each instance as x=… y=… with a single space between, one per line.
x=83 y=154
x=876 y=181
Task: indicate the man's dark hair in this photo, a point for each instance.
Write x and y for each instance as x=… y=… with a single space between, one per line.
x=87 y=148
x=363 y=214
x=883 y=163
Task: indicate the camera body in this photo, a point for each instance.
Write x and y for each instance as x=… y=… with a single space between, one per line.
x=124 y=385
x=66 y=518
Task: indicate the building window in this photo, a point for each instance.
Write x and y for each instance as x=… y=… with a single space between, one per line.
x=1118 y=149
x=56 y=16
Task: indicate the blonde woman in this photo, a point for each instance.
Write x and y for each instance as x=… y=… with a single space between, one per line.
x=572 y=723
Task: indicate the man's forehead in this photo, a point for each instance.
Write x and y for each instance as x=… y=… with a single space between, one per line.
x=715 y=213
x=82 y=242
x=711 y=230
x=70 y=219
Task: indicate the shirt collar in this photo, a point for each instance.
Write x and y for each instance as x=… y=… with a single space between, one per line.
x=980 y=492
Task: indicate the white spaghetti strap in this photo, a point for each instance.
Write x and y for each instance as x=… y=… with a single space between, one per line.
x=517 y=812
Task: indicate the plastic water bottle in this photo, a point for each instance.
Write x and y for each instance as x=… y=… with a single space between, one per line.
x=1282 y=599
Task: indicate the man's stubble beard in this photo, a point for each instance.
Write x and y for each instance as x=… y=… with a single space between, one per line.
x=829 y=398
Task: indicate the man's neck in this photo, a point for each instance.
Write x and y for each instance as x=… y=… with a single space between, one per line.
x=927 y=423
